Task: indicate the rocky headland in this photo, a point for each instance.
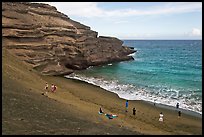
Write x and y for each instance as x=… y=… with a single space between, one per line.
x=38 y=36
x=53 y=43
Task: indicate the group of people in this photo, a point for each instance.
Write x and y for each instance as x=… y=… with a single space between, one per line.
x=179 y=112
x=52 y=89
x=160 y=115
x=126 y=106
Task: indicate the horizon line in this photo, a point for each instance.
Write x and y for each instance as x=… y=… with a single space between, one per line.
x=160 y=39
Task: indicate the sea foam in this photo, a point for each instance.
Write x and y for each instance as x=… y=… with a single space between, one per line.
x=131 y=92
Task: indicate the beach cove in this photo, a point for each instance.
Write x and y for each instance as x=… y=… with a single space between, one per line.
x=73 y=109
x=43 y=47
x=163 y=71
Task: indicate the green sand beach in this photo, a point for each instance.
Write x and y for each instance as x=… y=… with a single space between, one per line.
x=73 y=109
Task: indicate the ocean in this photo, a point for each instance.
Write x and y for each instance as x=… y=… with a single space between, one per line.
x=163 y=71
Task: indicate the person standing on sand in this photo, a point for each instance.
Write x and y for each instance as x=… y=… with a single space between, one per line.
x=134 y=111
x=46 y=89
x=126 y=105
x=55 y=88
x=161 y=117
x=179 y=114
x=52 y=88
x=177 y=105
x=46 y=86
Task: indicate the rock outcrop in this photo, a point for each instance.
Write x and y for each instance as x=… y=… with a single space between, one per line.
x=53 y=43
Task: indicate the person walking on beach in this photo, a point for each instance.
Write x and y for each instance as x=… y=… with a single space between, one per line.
x=134 y=111
x=126 y=105
x=161 y=117
x=177 y=105
x=179 y=114
x=46 y=89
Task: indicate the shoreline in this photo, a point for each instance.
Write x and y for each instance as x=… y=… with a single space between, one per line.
x=184 y=111
x=81 y=100
x=73 y=109
x=147 y=114
x=169 y=107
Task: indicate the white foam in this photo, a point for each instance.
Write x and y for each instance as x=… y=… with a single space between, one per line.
x=131 y=92
x=133 y=54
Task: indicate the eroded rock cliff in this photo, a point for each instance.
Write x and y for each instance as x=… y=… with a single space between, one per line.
x=53 y=43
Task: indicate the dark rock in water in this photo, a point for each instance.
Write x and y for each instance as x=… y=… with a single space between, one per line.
x=131 y=48
x=53 y=43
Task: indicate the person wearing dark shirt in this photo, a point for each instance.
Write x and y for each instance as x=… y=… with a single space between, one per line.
x=177 y=105
x=134 y=111
x=179 y=114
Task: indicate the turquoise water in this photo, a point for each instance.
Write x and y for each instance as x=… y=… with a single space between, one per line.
x=164 y=71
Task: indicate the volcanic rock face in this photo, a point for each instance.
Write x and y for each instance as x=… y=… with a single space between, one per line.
x=53 y=43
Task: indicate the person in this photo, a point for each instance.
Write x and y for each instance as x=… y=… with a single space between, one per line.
x=161 y=117
x=179 y=114
x=55 y=88
x=100 y=111
x=177 y=105
x=111 y=116
x=52 y=88
x=126 y=105
x=134 y=111
x=46 y=89
x=154 y=103
x=46 y=86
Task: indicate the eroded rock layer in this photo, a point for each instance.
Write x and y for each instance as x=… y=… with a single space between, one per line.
x=53 y=43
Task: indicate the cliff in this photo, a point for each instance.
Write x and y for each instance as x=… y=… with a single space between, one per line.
x=53 y=43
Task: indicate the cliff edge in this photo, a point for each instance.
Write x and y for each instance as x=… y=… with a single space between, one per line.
x=53 y=43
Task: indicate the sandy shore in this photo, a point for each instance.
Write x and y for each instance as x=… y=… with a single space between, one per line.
x=73 y=109
x=147 y=114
